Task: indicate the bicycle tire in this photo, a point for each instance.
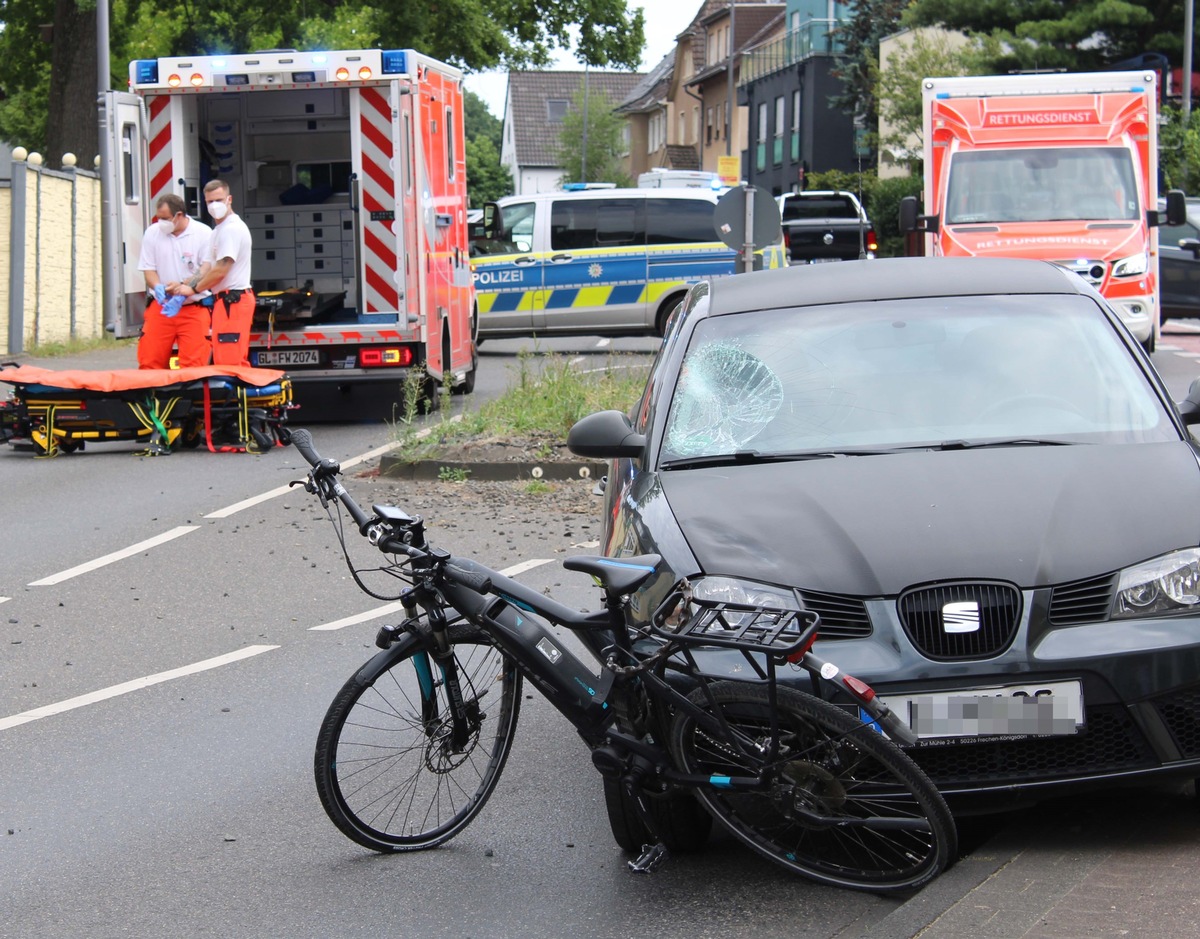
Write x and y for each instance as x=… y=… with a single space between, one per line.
x=683 y=824
x=832 y=766
x=387 y=772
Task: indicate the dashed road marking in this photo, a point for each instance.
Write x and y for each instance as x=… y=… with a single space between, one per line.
x=115 y=556
x=390 y=608
x=136 y=685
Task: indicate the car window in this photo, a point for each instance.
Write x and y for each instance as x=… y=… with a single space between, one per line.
x=511 y=231
x=796 y=208
x=1169 y=236
x=576 y=224
x=910 y=373
x=679 y=221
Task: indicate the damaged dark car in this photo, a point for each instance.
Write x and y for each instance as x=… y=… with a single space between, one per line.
x=971 y=470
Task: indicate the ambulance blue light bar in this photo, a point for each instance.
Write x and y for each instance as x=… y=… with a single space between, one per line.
x=146 y=72
x=395 y=62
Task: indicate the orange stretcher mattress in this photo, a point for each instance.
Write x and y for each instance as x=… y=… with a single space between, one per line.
x=134 y=379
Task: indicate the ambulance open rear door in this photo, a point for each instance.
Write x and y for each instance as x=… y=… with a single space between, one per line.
x=125 y=186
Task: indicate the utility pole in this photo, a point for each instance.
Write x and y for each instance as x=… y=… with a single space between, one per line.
x=583 y=156
x=729 y=81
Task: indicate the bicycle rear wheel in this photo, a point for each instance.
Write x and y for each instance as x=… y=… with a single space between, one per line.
x=393 y=771
x=844 y=805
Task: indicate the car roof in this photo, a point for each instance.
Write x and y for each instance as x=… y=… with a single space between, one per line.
x=888 y=279
x=708 y=195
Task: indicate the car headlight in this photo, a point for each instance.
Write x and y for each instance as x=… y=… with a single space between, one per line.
x=744 y=593
x=1169 y=584
x=1133 y=266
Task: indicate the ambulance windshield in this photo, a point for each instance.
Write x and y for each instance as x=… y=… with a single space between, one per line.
x=1042 y=184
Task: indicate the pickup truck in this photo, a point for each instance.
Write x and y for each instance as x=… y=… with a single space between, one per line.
x=825 y=225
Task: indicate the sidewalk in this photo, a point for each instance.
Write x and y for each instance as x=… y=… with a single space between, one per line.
x=1118 y=864
x=122 y=354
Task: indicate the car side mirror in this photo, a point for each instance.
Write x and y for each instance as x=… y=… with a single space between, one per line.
x=1189 y=407
x=605 y=434
x=1176 y=213
x=910 y=221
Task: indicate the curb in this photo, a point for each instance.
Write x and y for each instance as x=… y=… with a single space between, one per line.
x=425 y=470
x=928 y=904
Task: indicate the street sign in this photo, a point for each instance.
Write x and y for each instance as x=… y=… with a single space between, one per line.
x=729 y=168
x=747 y=219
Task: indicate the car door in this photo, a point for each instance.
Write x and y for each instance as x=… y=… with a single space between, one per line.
x=508 y=271
x=595 y=273
x=1179 y=268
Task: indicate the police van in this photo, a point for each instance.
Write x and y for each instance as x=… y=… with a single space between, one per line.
x=596 y=261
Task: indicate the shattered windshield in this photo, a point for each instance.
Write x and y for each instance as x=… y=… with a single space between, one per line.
x=907 y=373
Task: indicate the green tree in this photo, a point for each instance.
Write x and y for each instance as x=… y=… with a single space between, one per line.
x=474 y=34
x=869 y=21
x=1179 y=151
x=487 y=180
x=605 y=141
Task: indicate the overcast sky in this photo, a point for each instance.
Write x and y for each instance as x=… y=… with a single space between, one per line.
x=664 y=21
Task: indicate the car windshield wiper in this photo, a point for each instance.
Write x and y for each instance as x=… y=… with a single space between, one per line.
x=1006 y=442
x=741 y=457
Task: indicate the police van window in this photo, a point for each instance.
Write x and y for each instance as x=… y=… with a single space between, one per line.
x=516 y=228
x=576 y=224
x=675 y=221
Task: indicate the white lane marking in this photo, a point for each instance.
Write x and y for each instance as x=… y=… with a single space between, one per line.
x=1188 y=355
x=393 y=607
x=5 y=599
x=345 y=464
x=600 y=344
x=115 y=556
x=136 y=685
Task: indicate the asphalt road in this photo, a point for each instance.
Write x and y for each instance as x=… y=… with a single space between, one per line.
x=158 y=713
x=167 y=658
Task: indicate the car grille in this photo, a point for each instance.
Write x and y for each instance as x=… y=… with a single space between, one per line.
x=1089 y=270
x=1086 y=601
x=923 y=612
x=1110 y=742
x=1181 y=713
x=841 y=617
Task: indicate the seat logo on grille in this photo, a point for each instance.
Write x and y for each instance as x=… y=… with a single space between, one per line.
x=961 y=617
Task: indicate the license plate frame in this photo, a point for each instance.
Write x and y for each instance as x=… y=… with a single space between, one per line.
x=1032 y=709
x=273 y=358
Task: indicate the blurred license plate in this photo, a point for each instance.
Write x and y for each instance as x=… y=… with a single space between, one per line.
x=823 y=260
x=1051 y=708
x=288 y=357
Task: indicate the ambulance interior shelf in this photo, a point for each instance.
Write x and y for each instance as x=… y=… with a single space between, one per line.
x=278 y=308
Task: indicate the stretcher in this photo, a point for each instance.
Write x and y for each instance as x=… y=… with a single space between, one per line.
x=229 y=407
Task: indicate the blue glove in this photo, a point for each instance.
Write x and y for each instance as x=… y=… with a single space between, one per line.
x=160 y=294
x=171 y=307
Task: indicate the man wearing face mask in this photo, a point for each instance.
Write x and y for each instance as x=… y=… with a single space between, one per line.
x=227 y=277
x=175 y=248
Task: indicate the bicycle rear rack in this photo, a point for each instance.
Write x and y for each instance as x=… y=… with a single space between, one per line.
x=778 y=633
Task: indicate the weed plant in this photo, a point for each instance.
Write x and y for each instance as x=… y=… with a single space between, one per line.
x=544 y=398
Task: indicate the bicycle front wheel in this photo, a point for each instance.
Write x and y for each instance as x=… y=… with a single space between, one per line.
x=843 y=805
x=396 y=768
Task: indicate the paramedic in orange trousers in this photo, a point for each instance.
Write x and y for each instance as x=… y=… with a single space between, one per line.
x=174 y=249
x=228 y=277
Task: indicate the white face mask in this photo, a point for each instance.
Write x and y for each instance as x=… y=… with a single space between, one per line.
x=217 y=209
x=166 y=226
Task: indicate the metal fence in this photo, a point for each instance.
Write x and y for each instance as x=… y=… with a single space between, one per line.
x=51 y=275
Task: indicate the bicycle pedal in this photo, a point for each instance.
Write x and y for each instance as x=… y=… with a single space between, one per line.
x=653 y=857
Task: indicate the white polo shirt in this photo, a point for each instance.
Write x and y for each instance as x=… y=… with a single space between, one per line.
x=176 y=258
x=231 y=239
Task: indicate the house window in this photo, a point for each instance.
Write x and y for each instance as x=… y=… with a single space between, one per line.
x=795 y=126
x=695 y=125
x=760 y=137
x=556 y=110
x=708 y=127
x=780 y=125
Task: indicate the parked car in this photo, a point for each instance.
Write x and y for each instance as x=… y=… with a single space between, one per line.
x=1179 y=265
x=825 y=225
x=970 y=469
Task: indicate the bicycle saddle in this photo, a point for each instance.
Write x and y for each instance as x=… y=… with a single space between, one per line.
x=617 y=575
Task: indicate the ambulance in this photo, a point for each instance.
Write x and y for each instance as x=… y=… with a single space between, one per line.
x=349 y=169
x=1061 y=167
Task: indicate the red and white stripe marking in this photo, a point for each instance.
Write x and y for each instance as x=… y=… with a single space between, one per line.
x=380 y=251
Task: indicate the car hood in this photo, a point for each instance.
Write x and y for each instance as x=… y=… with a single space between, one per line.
x=875 y=525
x=1039 y=240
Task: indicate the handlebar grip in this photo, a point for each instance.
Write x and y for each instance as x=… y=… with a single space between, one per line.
x=469 y=574
x=303 y=442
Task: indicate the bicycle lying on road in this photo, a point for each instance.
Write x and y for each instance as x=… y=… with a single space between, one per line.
x=415 y=742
